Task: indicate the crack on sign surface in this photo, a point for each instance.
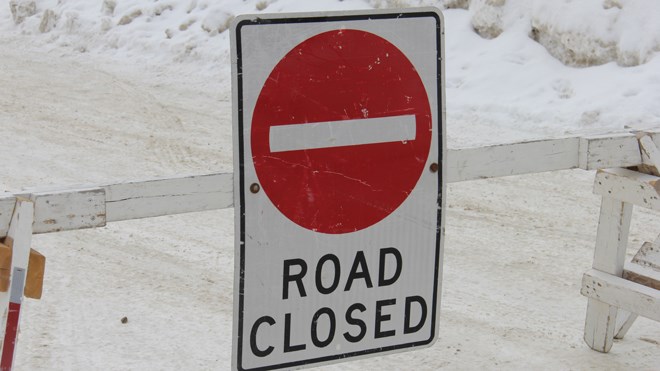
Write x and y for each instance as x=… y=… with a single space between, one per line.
x=350 y=178
x=297 y=164
x=292 y=164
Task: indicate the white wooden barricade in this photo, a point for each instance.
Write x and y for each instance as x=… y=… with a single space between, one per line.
x=614 y=301
x=70 y=208
x=82 y=207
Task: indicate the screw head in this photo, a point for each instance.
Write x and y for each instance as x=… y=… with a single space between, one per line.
x=254 y=188
x=434 y=167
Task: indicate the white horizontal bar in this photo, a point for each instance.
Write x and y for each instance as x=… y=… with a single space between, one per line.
x=68 y=210
x=143 y=199
x=86 y=207
x=629 y=186
x=512 y=159
x=328 y=134
x=621 y=293
x=147 y=198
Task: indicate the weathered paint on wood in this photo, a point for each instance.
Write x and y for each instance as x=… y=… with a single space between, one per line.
x=588 y=153
x=59 y=210
x=606 y=151
x=645 y=270
x=620 y=188
x=611 y=242
x=512 y=159
x=642 y=275
x=68 y=210
x=143 y=199
x=612 y=236
x=621 y=293
x=648 y=256
x=650 y=156
x=629 y=186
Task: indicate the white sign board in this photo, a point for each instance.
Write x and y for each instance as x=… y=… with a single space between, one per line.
x=339 y=147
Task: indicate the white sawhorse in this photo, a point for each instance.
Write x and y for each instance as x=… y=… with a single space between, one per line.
x=619 y=292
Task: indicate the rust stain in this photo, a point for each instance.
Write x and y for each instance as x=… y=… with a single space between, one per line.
x=50 y=221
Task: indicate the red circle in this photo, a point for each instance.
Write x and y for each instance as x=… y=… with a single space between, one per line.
x=333 y=76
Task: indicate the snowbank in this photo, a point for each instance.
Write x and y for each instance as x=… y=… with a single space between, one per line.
x=503 y=78
x=584 y=33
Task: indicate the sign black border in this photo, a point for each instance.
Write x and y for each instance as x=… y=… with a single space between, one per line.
x=239 y=70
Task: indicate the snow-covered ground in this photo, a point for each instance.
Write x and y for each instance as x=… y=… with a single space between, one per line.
x=99 y=91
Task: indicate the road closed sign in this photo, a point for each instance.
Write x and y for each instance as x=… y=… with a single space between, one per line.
x=339 y=187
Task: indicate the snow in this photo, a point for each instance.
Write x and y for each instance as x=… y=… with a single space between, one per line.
x=99 y=91
x=489 y=81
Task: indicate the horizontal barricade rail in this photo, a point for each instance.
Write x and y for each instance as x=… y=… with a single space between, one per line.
x=61 y=209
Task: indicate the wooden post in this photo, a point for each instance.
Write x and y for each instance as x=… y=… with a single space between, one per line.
x=611 y=242
x=19 y=238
